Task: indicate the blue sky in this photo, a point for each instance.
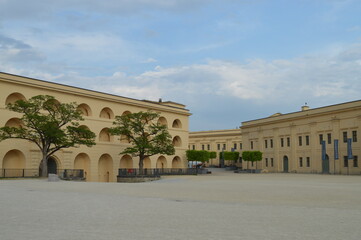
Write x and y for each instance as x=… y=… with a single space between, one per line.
x=229 y=61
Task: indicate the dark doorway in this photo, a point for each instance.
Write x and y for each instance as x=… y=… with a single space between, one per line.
x=326 y=165
x=285 y=164
x=52 y=166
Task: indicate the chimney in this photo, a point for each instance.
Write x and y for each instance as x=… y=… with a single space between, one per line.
x=305 y=108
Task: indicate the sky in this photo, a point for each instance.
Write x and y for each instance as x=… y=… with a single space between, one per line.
x=228 y=61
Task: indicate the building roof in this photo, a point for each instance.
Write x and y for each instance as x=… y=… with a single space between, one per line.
x=162 y=106
x=305 y=113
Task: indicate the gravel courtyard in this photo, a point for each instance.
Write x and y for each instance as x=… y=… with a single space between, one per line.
x=223 y=205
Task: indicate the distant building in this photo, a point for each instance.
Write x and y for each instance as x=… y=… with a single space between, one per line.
x=102 y=161
x=216 y=141
x=293 y=142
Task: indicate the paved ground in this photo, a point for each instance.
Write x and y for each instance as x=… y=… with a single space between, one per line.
x=223 y=205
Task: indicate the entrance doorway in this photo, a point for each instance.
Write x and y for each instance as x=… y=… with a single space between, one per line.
x=285 y=164
x=326 y=165
x=51 y=165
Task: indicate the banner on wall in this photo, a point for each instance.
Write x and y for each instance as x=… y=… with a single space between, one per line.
x=335 y=147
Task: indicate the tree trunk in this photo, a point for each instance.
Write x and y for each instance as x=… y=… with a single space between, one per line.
x=44 y=166
x=141 y=163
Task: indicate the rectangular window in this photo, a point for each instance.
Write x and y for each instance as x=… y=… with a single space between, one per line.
x=282 y=142
x=308 y=162
x=194 y=147
x=329 y=138
x=288 y=142
x=265 y=143
x=301 y=162
x=355 y=161
x=266 y=162
x=218 y=146
x=300 y=140
x=202 y=147
x=271 y=143
x=354 y=136
x=235 y=146
x=307 y=140
x=271 y=162
x=240 y=146
x=344 y=137
x=321 y=138
x=345 y=161
x=224 y=147
x=209 y=147
x=251 y=144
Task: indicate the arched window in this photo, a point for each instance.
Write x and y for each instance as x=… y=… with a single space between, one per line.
x=106 y=113
x=12 y=98
x=104 y=135
x=177 y=124
x=163 y=121
x=14 y=122
x=85 y=109
x=177 y=142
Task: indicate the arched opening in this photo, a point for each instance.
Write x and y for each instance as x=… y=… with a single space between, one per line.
x=126 y=162
x=105 y=168
x=104 y=135
x=285 y=164
x=123 y=139
x=12 y=98
x=161 y=162
x=126 y=113
x=176 y=162
x=82 y=161
x=106 y=113
x=85 y=109
x=177 y=124
x=14 y=163
x=14 y=122
x=163 y=121
x=147 y=163
x=177 y=142
x=52 y=166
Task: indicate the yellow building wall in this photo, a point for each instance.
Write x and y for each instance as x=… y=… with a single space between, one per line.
x=102 y=161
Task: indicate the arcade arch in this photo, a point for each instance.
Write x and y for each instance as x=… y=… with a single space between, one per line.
x=82 y=161
x=177 y=142
x=106 y=113
x=85 y=109
x=161 y=162
x=12 y=98
x=105 y=168
x=126 y=162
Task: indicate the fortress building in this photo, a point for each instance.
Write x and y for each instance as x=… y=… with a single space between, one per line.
x=320 y=140
x=102 y=161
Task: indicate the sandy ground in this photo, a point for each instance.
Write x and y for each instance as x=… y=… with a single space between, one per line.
x=223 y=205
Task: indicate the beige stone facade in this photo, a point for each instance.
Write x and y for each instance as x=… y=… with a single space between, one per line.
x=102 y=161
x=291 y=142
x=216 y=141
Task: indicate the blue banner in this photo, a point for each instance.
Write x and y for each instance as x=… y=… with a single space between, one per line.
x=335 y=147
x=349 y=148
x=323 y=150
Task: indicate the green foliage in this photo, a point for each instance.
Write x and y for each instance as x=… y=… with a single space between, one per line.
x=198 y=155
x=146 y=135
x=212 y=155
x=252 y=156
x=49 y=124
x=232 y=156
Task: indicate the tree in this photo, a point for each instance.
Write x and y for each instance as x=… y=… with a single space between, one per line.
x=197 y=155
x=252 y=156
x=147 y=136
x=50 y=125
x=231 y=156
x=212 y=155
